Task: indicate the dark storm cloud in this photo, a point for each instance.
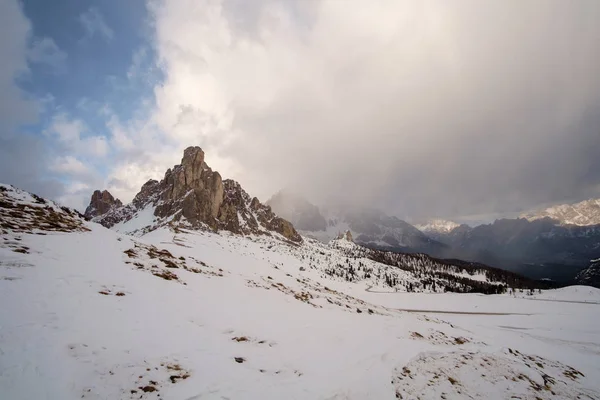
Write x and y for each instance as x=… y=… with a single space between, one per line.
x=430 y=109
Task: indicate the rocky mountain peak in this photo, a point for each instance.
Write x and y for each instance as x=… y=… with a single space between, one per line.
x=147 y=193
x=191 y=194
x=437 y=226
x=345 y=236
x=191 y=190
x=101 y=203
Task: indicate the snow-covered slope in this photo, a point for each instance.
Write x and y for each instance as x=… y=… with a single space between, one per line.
x=584 y=213
x=188 y=314
x=437 y=226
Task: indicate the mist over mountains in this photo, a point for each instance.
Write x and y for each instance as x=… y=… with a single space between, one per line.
x=540 y=248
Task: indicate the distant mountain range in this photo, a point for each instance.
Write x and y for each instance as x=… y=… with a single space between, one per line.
x=437 y=226
x=585 y=213
x=539 y=246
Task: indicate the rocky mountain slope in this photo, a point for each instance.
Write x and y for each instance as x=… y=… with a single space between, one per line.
x=368 y=226
x=591 y=275
x=191 y=195
x=182 y=311
x=584 y=213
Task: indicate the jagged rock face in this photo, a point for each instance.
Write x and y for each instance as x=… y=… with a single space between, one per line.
x=197 y=196
x=345 y=236
x=101 y=203
x=241 y=214
x=148 y=193
x=349 y=236
x=191 y=189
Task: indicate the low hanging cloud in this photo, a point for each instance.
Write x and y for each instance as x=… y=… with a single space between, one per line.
x=423 y=108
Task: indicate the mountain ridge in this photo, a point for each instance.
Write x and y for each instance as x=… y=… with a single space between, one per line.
x=584 y=213
x=191 y=194
x=437 y=225
x=341 y=258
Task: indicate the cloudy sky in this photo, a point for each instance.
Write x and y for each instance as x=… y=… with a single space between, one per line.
x=455 y=109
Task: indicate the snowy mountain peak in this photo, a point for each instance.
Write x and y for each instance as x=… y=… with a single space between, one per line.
x=584 y=213
x=437 y=226
x=192 y=195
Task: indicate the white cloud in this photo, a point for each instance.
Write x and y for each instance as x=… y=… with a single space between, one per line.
x=76 y=195
x=66 y=130
x=70 y=165
x=26 y=160
x=139 y=63
x=15 y=108
x=97 y=146
x=420 y=107
x=22 y=157
x=73 y=135
x=93 y=23
x=45 y=51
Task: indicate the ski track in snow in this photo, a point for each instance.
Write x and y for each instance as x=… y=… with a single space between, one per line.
x=97 y=315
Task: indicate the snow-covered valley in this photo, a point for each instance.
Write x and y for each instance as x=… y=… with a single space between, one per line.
x=190 y=314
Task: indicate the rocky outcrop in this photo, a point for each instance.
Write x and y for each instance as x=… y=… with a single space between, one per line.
x=147 y=194
x=192 y=191
x=101 y=203
x=193 y=195
x=345 y=236
x=239 y=213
